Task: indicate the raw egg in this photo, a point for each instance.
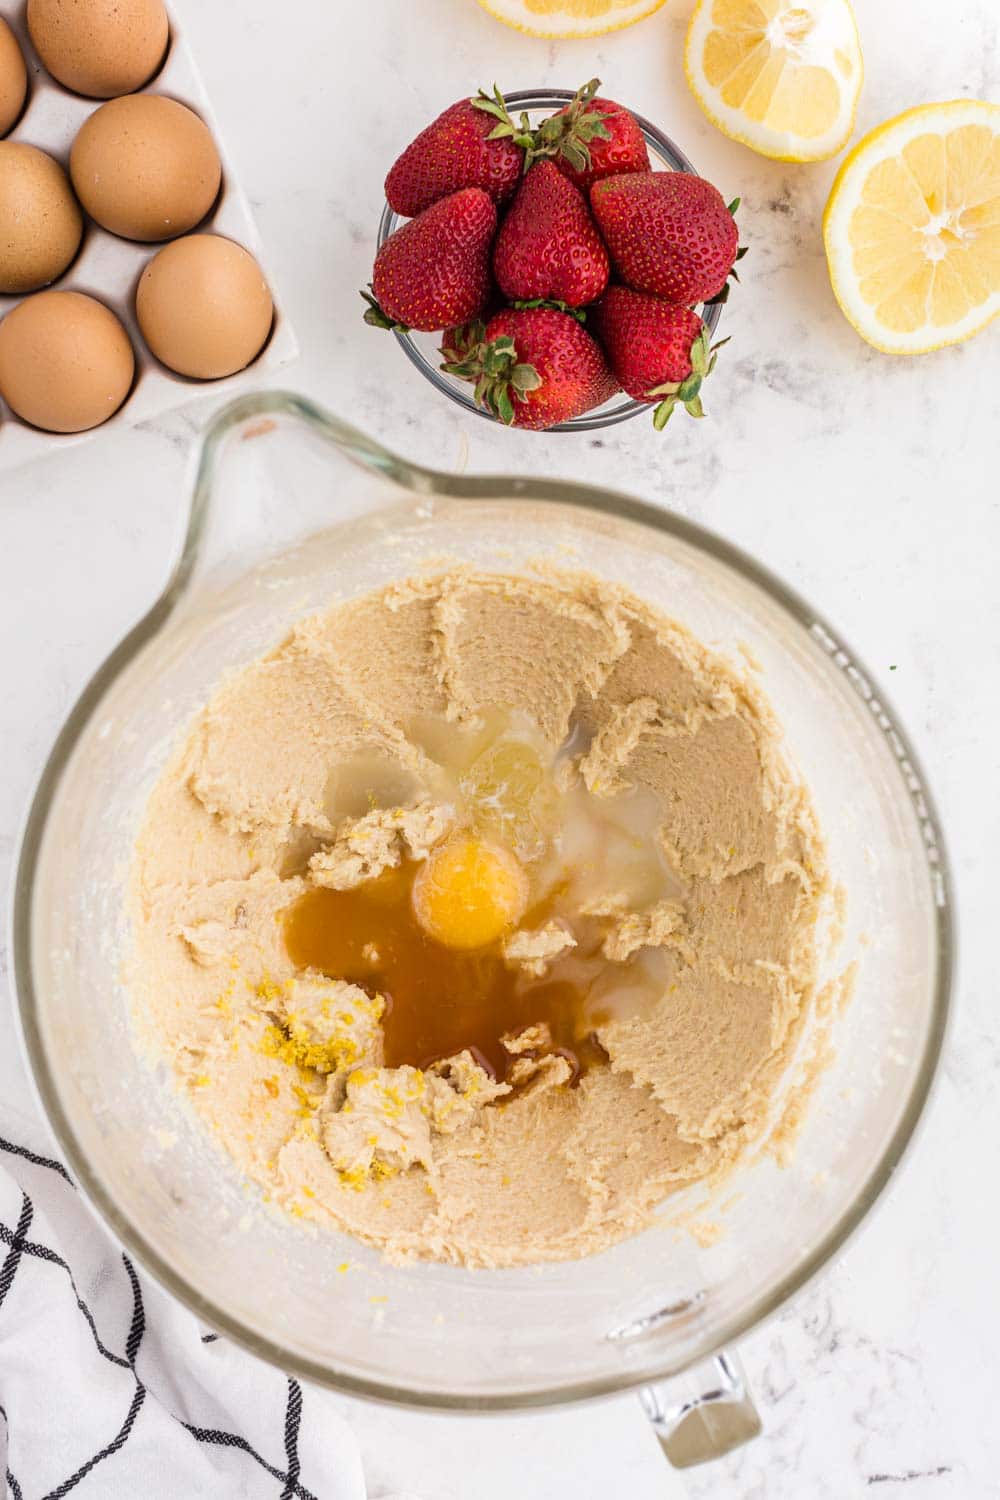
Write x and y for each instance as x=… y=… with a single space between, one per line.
x=65 y=361
x=40 y=220
x=101 y=48
x=469 y=893
x=13 y=78
x=203 y=306
x=145 y=167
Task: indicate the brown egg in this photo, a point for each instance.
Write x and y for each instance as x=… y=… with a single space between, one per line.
x=204 y=307
x=40 y=220
x=13 y=78
x=145 y=167
x=65 y=361
x=100 y=47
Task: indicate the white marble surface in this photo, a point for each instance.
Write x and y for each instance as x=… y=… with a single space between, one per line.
x=870 y=484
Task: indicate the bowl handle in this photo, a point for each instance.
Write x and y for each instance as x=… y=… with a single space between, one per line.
x=704 y=1413
x=271 y=470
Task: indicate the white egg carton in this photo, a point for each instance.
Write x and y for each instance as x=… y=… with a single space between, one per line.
x=109 y=268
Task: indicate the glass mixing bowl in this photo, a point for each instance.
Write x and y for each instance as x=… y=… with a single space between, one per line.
x=422 y=349
x=292 y=510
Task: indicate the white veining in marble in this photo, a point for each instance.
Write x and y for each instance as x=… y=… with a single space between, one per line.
x=870 y=484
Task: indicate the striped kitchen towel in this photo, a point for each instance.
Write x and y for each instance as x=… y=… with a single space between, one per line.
x=110 y=1389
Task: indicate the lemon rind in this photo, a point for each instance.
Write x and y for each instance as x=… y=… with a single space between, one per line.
x=571 y=35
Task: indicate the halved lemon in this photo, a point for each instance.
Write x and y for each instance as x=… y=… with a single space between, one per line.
x=568 y=18
x=912 y=228
x=780 y=76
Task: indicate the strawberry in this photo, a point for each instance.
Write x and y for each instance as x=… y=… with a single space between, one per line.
x=532 y=367
x=548 y=246
x=669 y=233
x=463 y=147
x=592 y=138
x=434 y=272
x=656 y=350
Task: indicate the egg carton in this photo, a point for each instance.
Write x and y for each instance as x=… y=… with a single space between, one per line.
x=109 y=268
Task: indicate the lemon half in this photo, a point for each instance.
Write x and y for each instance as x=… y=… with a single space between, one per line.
x=780 y=76
x=912 y=228
x=569 y=18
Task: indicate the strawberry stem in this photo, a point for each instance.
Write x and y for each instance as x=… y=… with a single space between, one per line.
x=569 y=132
x=505 y=129
x=492 y=367
x=687 y=392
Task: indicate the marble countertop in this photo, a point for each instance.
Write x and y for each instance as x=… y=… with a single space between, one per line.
x=870 y=484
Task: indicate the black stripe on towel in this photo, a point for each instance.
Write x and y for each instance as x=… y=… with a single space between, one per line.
x=42 y=1252
x=17 y=1243
x=136 y=1330
x=118 y=1441
x=293 y=1420
x=36 y=1160
x=230 y=1440
x=138 y=1326
x=12 y=1484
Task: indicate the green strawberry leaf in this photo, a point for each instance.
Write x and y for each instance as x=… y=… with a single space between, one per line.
x=577 y=155
x=376 y=318
x=504 y=406
x=567 y=133
x=526 y=304
x=505 y=129
x=734 y=206
x=491 y=104
x=664 y=412
x=590 y=127
x=699 y=354
x=524 y=378
x=461 y=352
x=498 y=379
x=688 y=393
x=550 y=131
x=498 y=358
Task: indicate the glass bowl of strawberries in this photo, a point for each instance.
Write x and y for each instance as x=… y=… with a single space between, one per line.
x=553 y=261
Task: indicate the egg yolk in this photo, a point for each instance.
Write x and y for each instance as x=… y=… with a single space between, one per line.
x=469 y=893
